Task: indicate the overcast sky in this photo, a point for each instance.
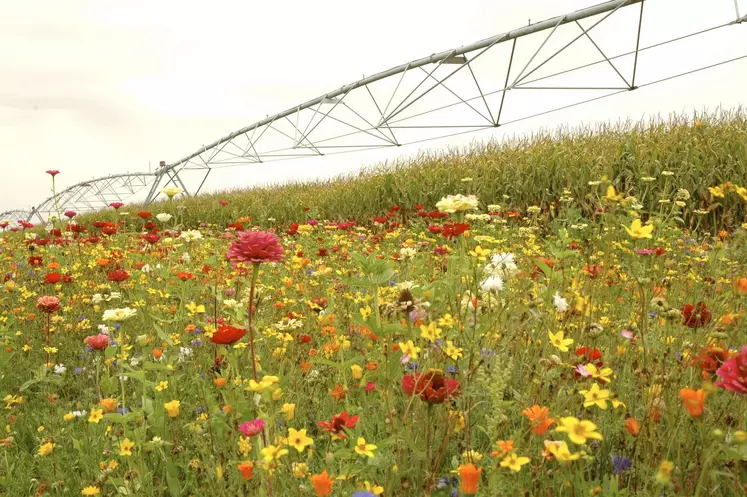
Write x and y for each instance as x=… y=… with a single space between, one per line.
x=94 y=87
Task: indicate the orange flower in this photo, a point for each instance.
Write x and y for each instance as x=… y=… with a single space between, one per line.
x=740 y=286
x=247 y=469
x=110 y=404
x=469 y=478
x=220 y=382
x=632 y=426
x=338 y=393
x=322 y=483
x=102 y=262
x=157 y=353
x=504 y=447
x=305 y=367
x=539 y=417
x=694 y=401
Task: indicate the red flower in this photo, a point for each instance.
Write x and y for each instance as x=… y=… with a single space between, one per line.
x=454 y=229
x=593 y=270
x=226 y=335
x=710 y=358
x=52 y=278
x=438 y=214
x=417 y=207
x=431 y=387
x=223 y=203
x=255 y=246
x=144 y=214
x=48 y=304
x=695 y=316
x=116 y=205
x=733 y=373
x=152 y=238
x=184 y=276
x=53 y=172
x=97 y=342
x=70 y=214
x=435 y=229
x=118 y=275
x=338 y=423
x=35 y=260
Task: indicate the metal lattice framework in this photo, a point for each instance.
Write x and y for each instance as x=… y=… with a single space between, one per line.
x=483 y=85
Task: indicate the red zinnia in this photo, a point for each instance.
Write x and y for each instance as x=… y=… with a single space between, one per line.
x=116 y=205
x=695 y=316
x=118 y=275
x=97 y=342
x=52 y=278
x=48 y=304
x=255 y=246
x=432 y=387
x=226 y=335
x=53 y=172
x=143 y=214
x=71 y=213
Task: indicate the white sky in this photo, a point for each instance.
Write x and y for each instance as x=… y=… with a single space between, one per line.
x=95 y=87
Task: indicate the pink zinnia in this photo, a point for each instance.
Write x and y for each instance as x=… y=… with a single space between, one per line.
x=97 y=342
x=252 y=428
x=53 y=172
x=116 y=205
x=71 y=213
x=255 y=246
x=733 y=373
x=48 y=304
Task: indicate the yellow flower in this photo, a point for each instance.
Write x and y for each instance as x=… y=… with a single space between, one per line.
x=664 y=475
x=195 y=309
x=604 y=374
x=289 y=411
x=637 y=230
x=447 y=321
x=125 y=447
x=69 y=416
x=560 y=451
x=245 y=446
x=373 y=488
x=364 y=449
x=451 y=351
x=271 y=453
x=480 y=253
x=90 y=490
x=612 y=195
x=716 y=191
x=430 y=332
x=356 y=371
x=46 y=448
x=578 y=431
x=366 y=312
x=298 y=439
x=595 y=396
x=300 y=470
x=172 y=408
x=410 y=349
x=162 y=386
x=96 y=415
x=559 y=341
x=514 y=462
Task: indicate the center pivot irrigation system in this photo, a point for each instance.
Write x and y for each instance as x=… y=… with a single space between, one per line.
x=487 y=84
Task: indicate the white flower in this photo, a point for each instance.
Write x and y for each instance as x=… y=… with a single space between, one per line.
x=191 y=235
x=135 y=361
x=118 y=314
x=560 y=303
x=231 y=304
x=171 y=191
x=79 y=414
x=184 y=352
x=59 y=369
x=104 y=329
x=492 y=284
x=502 y=265
x=163 y=217
x=458 y=203
x=407 y=253
x=146 y=268
x=186 y=257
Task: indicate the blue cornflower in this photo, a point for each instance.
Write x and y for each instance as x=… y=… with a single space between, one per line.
x=621 y=464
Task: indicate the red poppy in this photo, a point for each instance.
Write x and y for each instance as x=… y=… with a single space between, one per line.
x=431 y=387
x=144 y=214
x=588 y=355
x=338 y=423
x=710 y=358
x=226 y=335
x=223 y=203
x=118 y=275
x=52 y=278
x=695 y=316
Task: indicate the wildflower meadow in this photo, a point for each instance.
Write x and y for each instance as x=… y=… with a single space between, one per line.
x=469 y=346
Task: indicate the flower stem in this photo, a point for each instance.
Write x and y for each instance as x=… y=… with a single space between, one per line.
x=250 y=313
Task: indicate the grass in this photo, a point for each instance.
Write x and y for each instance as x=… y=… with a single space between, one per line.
x=700 y=151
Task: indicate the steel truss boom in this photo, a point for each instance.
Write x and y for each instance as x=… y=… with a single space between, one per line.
x=462 y=90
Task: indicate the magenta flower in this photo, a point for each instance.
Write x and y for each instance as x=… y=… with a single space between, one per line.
x=116 y=205
x=255 y=246
x=70 y=214
x=252 y=428
x=53 y=172
x=97 y=342
x=733 y=373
